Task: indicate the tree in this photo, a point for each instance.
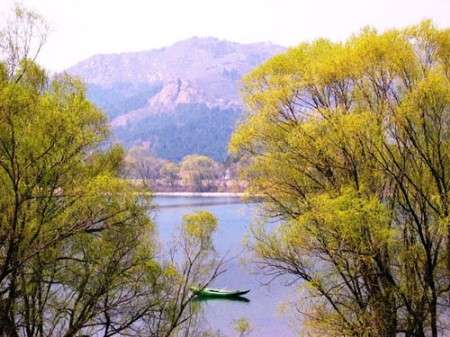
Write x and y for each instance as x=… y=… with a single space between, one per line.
x=349 y=143
x=169 y=174
x=193 y=261
x=70 y=228
x=77 y=255
x=198 y=172
x=144 y=166
x=22 y=38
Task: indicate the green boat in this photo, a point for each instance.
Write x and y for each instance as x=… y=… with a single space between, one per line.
x=213 y=292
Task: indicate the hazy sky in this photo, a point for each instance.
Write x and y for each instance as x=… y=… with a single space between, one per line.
x=81 y=28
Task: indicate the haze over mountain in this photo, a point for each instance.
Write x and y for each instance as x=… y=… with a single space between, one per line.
x=178 y=100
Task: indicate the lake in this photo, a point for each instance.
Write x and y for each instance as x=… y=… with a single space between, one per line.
x=234 y=218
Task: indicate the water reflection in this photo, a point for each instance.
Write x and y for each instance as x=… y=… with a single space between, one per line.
x=232 y=299
x=203 y=203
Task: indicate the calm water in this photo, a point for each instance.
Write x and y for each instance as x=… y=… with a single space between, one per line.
x=234 y=217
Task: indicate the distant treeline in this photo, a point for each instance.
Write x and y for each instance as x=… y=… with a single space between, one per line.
x=194 y=173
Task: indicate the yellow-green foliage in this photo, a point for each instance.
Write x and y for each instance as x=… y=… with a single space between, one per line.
x=350 y=144
x=242 y=327
x=200 y=226
x=198 y=172
x=72 y=232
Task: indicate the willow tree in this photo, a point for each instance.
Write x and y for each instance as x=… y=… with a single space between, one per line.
x=198 y=172
x=349 y=143
x=77 y=252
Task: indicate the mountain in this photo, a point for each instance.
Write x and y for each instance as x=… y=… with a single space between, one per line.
x=177 y=100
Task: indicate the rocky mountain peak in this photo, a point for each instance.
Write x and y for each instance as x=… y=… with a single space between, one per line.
x=197 y=77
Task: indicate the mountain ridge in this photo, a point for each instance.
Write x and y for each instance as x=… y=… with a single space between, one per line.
x=197 y=73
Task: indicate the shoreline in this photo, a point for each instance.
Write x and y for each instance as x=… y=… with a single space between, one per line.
x=200 y=194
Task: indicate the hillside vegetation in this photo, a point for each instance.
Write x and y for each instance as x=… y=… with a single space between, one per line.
x=176 y=101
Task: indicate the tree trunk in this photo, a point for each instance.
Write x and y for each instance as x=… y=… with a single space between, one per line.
x=7 y=326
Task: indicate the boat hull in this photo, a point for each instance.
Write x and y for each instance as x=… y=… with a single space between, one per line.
x=218 y=293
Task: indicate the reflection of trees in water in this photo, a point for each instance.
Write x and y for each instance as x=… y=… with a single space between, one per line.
x=209 y=328
x=201 y=204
